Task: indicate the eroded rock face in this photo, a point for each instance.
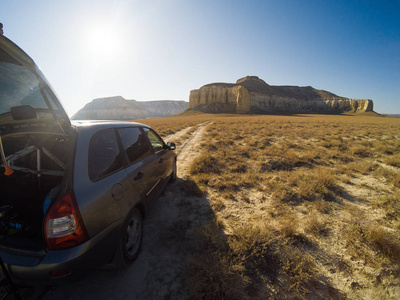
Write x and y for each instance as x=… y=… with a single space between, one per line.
x=251 y=94
x=117 y=108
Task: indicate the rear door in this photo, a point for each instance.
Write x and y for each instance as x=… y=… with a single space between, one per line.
x=163 y=159
x=103 y=197
x=140 y=161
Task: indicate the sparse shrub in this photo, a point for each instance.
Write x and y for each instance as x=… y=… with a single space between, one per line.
x=241 y=168
x=360 y=151
x=391 y=177
x=206 y=163
x=343 y=266
x=282 y=193
x=276 y=165
x=300 y=270
x=204 y=178
x=346 y=179
x=291 y=157
x=245 y=154
x=312 y=184
x=384 y=241
x=213 y=276
x=288 y=225
x=390 y=204
x=393 y=160
x=396 y=180
x=229 y=196
x=310 y=156
x=250 y=179
x=352 y=235
x=359 y=235
x=214 y=273
x=316 y=226
x=217 y=205
x=330 y=143
x=249 y=240
x=326 y=178
x=383 y=148
x=364 y=167
x=308 y=187
x=322 y=206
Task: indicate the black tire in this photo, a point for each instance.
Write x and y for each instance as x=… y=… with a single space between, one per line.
x=173 y=175
x=132 y=236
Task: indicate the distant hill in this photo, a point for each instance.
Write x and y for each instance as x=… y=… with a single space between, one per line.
x=118 y=108
x=392 y=115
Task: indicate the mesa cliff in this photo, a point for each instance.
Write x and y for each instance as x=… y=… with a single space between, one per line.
x=118 y=108
x=253 y=95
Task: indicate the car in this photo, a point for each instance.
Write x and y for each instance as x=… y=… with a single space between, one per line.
x=73 y=193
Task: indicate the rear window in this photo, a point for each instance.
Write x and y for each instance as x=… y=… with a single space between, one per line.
x=19 y=86
x=134 y=143
x=104 y=155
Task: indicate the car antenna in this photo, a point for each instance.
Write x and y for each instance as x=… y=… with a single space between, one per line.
x=8 y=171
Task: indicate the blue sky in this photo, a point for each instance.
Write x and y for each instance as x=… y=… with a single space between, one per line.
x=160 y=50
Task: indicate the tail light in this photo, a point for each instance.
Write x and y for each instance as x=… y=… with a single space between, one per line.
x=64 y=227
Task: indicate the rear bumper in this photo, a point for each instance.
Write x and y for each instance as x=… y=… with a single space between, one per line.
x=34 y=269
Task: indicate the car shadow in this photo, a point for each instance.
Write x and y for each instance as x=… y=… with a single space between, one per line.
x=170 y=244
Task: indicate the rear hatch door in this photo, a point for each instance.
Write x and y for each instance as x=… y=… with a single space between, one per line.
x=26 y=97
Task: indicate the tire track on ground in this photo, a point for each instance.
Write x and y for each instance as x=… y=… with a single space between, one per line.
x=189 y=150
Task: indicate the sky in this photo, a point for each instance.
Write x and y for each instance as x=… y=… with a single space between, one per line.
x=162 y=49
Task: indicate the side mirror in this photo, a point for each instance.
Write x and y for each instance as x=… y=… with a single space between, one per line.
x=171 y=146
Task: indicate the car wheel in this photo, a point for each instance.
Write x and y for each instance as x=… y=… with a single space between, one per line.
x=132 y=236
x=173 y=175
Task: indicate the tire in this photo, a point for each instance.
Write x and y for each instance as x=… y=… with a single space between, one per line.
x=132 y=236
x=173 y=175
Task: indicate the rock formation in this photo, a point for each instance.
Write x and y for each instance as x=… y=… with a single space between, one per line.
x=253 y=95
x=117 y=108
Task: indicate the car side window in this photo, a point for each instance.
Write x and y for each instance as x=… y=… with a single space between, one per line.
x=104 y=155
x=134 y=143
x=155 y=141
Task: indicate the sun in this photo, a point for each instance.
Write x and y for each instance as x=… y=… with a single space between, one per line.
x=103 y=43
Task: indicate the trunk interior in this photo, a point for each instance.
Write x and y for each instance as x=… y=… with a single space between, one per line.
x=37 y=162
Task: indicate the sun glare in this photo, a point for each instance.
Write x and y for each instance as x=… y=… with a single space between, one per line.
x=103 y=43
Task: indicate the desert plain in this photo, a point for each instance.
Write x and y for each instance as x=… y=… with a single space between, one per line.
x=301 y=206
x=269 y=207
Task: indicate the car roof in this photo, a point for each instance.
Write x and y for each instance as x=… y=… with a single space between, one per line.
x=105 y=123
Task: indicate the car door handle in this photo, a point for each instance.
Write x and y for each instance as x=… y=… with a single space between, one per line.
x=138 y=176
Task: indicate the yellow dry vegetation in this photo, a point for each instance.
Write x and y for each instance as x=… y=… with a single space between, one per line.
x=305 y=206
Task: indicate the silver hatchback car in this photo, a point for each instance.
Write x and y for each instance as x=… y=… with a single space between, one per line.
x=73 y=194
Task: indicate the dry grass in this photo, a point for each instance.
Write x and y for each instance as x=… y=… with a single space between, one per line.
x=329 y=205
x=393 y=160
x=316 y=225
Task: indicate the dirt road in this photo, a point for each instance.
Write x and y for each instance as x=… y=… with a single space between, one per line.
x=158 y=272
